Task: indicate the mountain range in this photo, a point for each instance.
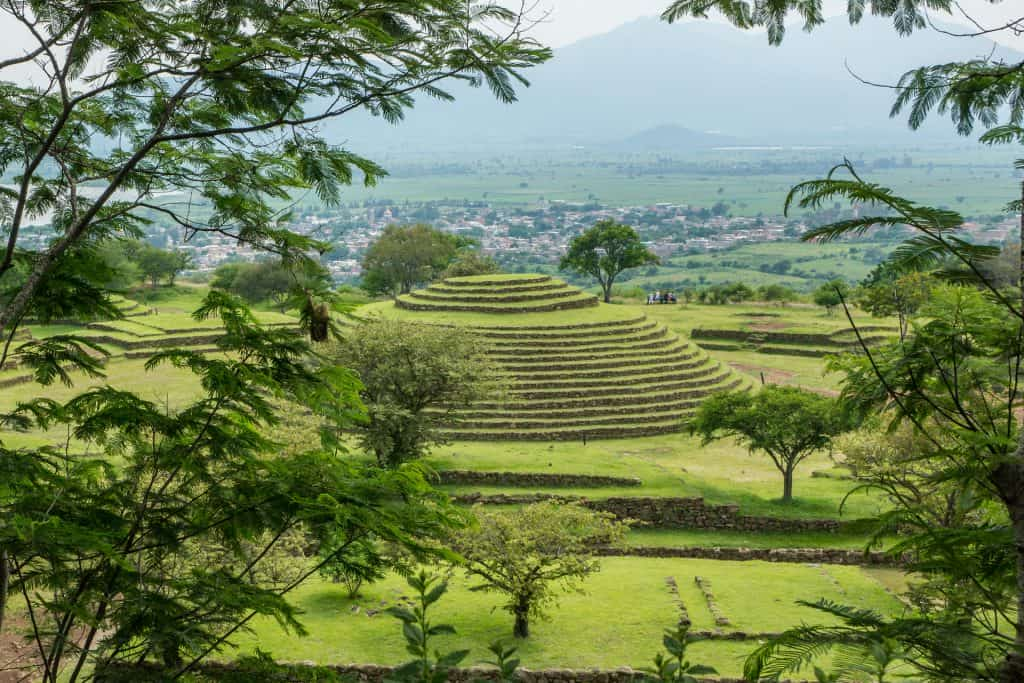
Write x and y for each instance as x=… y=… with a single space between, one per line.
x=648 y=85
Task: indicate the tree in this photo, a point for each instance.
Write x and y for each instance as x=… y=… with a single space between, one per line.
x=981 y=91
x=110 y=573
x=254 y=282
x=831 y=294
x=886 y=291
x=406 y=256
x=415 y=378
x=604 y=251
x=525 y=554
x=775 y=292
x=472 y=263
x=223 y=102
x=787 y=423
x=159 y=264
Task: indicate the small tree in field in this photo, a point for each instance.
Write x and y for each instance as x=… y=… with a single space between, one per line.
x=415 y=377
x=831 y=294
x=525 y=554
x=787 y=423
x=606 y=250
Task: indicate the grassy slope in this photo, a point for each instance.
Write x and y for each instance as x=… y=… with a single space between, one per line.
x=618 y=621
x=811 y=264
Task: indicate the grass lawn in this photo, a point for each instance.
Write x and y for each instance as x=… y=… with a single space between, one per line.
x=165 y=385
x=671 y=465
x=798 y=318
x=676 y=538
x=781 y=369
x=618 y=621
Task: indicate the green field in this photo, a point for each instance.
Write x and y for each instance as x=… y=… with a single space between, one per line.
x=981 y=186
x=809 y=265
x=617 y=621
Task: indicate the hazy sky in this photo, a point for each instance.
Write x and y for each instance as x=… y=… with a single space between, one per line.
x=567 y=21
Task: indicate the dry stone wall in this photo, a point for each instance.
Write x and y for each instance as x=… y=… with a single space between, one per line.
x=529 y=479
x=794 y=555
x=683 y=513
x=375 y=673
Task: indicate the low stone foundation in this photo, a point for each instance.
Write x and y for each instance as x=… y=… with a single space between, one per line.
x=374 y=673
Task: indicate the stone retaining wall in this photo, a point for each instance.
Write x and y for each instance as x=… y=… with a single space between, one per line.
x=580 y=333
x=500 y=282
x=376 y=673
x=712 y=376
x=647 y=334
x=663 y=374
x=765 y=337
x=613 y=400
x=792 y=555
x=512 y=297
x=680 y=513
x=645 y=367
x=596 y=433
x=655 y=343
x=555 y=328
x=502 y=310
x=470 y=477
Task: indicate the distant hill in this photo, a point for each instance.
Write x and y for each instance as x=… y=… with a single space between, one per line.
x=672 y=138
x=626 y=84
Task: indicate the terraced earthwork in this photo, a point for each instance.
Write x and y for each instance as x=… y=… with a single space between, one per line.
x=497 y=294
x=595 y=373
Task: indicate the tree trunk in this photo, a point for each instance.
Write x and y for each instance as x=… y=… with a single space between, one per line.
x=5 y=578
x=522 y=625
x=787 y=485
x=1013 y=670
x=607 y=289
x=1009 y=480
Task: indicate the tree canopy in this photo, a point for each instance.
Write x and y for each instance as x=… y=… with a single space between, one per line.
x=405 y=256
x=528 y=553
x=604 y=251
x=415 y=377
x=220 y=102
x=787 y=423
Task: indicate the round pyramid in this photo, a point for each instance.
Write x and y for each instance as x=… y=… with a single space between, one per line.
x=600 y=372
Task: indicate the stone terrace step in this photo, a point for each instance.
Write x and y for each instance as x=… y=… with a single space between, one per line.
x=607 y=349
x=509 y=288
x=589 y=400
x=507 y=280
x=624 y=431
x=523 y=411
x=515 y=422
x=679 y=350
x=624 y=370
x=405 y=302
x=622 y=390
x=624 y=375
x=550 y=328
x=431 y=295
x=584 y=345
x=582 y=335
x=555 y=369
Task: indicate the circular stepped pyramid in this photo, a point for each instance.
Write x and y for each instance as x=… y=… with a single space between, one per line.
x=578 y=375
x=497 y=294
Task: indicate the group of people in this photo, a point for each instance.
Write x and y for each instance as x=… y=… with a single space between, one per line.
x=659 y=297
